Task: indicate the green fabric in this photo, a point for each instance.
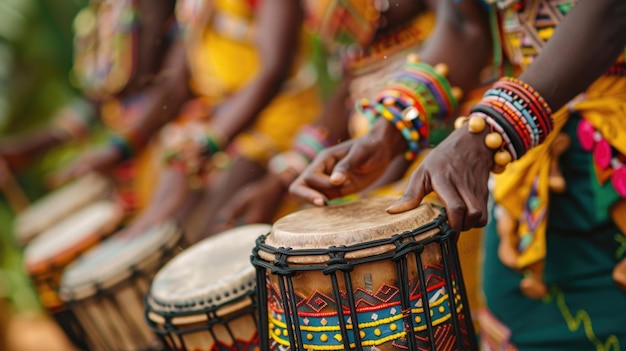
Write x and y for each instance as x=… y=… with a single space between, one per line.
x=585 y=310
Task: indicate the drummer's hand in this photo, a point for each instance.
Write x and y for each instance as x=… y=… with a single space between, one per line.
x=101 y=159
x=458 y=171
x=256 y=203
x=350 y=166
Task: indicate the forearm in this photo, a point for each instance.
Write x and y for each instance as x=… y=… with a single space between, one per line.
x=584 y=46
x=241 y=109
x=277 y=33
x=165 y=98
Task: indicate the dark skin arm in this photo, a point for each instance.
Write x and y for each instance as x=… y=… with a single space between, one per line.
x=461 y=39
x=156 y=19
x=259 y=202
x=163 y=102
x=584 y=46
x=277 y=33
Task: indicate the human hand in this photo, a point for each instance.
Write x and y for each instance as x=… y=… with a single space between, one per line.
x=458 y=171
x=101 y=159
x=256 y=203
x=349 y=167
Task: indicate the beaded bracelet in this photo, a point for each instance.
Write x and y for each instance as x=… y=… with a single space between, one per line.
x=310 y=141
x=189 y=157
x=518 y=116
x=287 y=166
x=416 y=99
x=307 y=144
x=128 y=142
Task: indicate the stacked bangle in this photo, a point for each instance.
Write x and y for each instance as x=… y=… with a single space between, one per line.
x=520 y=110
x=417 y=99
x=310 y=141
x=189 y=156
x=518 y=116
x=307 y=144
x=127 y=143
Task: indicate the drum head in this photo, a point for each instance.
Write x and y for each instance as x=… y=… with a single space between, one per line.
x=114 y=257
x=212 y=272
x=346 y=224
x=73 y=235
x=58 y=205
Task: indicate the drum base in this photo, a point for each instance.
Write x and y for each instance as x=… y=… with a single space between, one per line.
x=68 y=322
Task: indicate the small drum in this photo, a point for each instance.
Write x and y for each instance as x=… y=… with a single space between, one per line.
x=352 y=277
x=105 y=288
x=58 y=205
x=204 y=299
x=48 y=254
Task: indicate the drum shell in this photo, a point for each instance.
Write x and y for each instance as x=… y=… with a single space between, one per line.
x=364 y=277
x=111 y=311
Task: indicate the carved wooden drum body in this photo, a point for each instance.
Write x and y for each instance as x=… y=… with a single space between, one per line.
x=352 y=277
x=106 y=287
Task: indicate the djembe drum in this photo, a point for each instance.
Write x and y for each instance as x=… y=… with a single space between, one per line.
x=48 y=254
x=58 y=205
x=105 y=288
x=205 y=298
x=352 y=277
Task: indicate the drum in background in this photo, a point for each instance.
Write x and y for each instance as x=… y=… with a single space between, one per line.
x=60 y=204
x=47 y=255
x=205 y=298
x=106 y=287
x=352 y=277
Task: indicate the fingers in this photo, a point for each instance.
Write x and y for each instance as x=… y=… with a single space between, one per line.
x=465 y=202
x=314 y=185
x=456 y=209
x=417 y=188
x=355 y=157
x=302 y=191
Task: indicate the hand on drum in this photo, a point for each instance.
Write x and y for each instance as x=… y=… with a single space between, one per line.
x=458 y=171
x=256 y=203
x=101 y=159
x=348 y=167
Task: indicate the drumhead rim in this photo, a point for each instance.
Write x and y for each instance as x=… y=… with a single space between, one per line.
x=242 y=281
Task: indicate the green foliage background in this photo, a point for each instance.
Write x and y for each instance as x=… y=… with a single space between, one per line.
x=35 y=60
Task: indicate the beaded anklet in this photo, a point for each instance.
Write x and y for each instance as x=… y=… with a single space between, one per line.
x=518 y=116
x=417 y=98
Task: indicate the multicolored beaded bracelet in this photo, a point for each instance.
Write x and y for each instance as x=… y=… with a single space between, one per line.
x=190 y=156
x=520 y=110
x=310 y=141
x=416 y=98
x=128 y=142
x=307 y=144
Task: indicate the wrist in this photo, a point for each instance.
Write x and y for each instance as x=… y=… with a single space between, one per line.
x=383 y=132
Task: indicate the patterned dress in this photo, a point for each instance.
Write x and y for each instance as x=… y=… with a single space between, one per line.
x=566 y=242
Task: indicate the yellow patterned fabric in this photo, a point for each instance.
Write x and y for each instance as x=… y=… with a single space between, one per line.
x=529 y=24
x=223 y=58
x=104 y=46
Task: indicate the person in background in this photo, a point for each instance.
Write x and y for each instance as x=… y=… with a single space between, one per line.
x=368 y=45
x=552 y=130
x=239 y=83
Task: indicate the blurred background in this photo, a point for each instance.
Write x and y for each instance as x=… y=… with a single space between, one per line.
x=35 y=61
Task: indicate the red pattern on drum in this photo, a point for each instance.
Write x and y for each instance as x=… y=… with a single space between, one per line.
x=319 y=304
